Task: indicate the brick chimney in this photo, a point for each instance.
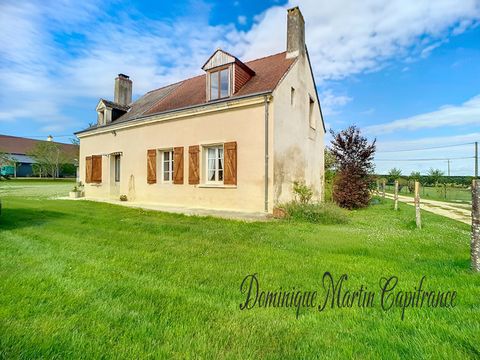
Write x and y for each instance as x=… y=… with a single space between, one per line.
x=123 y=90
x=295 y=33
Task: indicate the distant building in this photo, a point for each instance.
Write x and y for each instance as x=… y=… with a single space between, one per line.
x=18 y=150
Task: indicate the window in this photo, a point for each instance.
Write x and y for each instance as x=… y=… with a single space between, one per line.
x=117 y=168
x=292 y=96
x=101 y=117
x=311 y=115
x=167 y=166
x=219 y=84
x=215 y=164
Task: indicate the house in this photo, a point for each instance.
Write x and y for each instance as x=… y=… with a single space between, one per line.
x=233 y=138
x=21 y=163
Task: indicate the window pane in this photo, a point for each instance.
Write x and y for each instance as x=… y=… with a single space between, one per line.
x=220 y=175
x=224 y=83
x=211 y=153
x=166 y=155
x=220 y=164
x=211 y=175
x=211 y=164
x=214 y=85
x=166 y=176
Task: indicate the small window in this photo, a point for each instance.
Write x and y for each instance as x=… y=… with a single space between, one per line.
x=311 y=115
x=117 y=168
x=167 y=166
x=292 y=96
x=214 y=164
x=101 y=117
x=219 y=84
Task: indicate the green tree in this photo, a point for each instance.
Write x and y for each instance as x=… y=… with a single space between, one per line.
x=435 y=175
x=48 y=157
x=394 y=174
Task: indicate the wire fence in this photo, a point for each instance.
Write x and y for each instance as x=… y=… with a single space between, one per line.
x=439 y=193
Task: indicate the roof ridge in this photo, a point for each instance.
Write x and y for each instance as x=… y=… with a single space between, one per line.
x=264 y=57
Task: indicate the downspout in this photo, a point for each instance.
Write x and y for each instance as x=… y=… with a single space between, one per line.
x=267 y=100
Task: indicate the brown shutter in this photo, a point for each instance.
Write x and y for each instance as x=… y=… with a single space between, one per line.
x=88 y=169
x=97 y=168
x=151 y=166
x=178 y=165
x=194 y=165
x=230 y=159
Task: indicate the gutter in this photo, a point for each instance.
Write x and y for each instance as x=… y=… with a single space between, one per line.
x=267 y=101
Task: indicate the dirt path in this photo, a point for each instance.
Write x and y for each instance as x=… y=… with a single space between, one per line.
x=458 y=212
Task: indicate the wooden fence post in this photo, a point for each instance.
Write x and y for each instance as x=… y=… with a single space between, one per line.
x=383 y=188
x=396 y=195
x=475 y=243
x=418 y=218
x=378 y=187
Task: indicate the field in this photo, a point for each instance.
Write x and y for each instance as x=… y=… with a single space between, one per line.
x=80 y=279
x=450 y=194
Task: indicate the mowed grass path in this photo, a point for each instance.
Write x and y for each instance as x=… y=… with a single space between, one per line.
x=89 y=280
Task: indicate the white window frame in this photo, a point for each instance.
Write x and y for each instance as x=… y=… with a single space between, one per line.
x=170 y=165
x=206 y=164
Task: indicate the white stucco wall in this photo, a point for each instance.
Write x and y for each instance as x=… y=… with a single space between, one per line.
x=245 y=125
x=297 y=149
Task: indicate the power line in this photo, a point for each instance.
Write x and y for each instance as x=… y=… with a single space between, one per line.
x=433 y=159
x=429 y=148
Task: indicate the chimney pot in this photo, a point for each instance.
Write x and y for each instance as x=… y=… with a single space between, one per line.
x=295 y=32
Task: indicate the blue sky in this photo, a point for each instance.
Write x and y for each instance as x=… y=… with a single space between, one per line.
x=407 y=72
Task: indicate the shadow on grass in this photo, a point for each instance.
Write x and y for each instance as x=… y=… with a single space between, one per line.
x=21 y=217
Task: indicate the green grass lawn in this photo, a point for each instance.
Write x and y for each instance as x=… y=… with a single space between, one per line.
x=91 y=280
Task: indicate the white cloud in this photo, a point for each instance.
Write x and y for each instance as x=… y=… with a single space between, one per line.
x=347 y=37
x=331 y=102
x=242 y=20
x=467 y=113
x=41 y=78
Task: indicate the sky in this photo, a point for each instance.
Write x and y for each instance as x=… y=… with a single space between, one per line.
x=407 y=72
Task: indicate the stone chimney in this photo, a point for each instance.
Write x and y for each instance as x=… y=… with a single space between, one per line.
x=295 y=33
x=123 y=90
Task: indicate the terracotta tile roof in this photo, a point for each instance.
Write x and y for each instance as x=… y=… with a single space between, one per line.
x=268 y=72
x=22 y=146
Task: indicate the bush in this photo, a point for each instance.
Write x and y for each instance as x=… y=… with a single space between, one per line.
x=318 y=213
x=351 y=191
x=303 y=193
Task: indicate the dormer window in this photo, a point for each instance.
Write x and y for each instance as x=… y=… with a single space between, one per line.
x=225 y=75
x=219 y=84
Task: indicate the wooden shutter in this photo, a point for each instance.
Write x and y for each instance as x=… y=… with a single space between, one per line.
x=88 y=169
x=230 y=159
x=97 y=168
x=194 y=165
x=178 y=165
x=151 y=166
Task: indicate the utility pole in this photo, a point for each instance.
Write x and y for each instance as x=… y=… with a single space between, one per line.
x=448 y=167
x=476 y=159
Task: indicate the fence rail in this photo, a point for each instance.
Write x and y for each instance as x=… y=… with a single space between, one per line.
x=441 y=193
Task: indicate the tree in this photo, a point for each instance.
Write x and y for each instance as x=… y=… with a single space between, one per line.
x=48 y=156
x=6 y=160
x=354 y=163
x=394 y=174
x=435 y=175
